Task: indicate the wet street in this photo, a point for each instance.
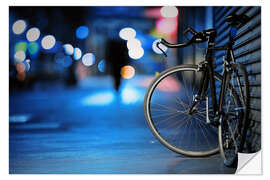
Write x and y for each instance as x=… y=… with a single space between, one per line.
x=90 y=129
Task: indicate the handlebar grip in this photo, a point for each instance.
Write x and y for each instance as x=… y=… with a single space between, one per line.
x=161 y=48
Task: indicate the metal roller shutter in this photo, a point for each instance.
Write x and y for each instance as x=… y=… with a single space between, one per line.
x=247 y=50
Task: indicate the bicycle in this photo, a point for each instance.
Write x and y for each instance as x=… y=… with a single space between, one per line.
x=195 y=111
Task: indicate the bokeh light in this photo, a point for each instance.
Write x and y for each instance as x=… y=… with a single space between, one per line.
x=67 y=61
x=88 y=59
x=102 y=65
x=82 y=32
x=81 y=71
x=99 y=99
x=19 y=56
x=127 y=33
x=27 y=65
x=20 y=67
x=63 y=60
x=169 y=11
x=130 y=95
x=134 y=44
x=77 y=54
x=59 y=57
x=21 y=76
x=68 y=48
x=127 y=72
x=21 y=46
x=48 y=42
x=167 y=25
x=156 y=49
x=136 y=53
x=32 y=34
x=33 y=48
x=19 y=27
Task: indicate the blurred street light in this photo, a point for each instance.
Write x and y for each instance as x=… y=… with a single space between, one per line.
x=48 y=42
x=32 y=34
x=19 y=27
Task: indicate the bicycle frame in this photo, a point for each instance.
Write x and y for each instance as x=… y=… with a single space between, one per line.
x=208 y=78
x=208 y=74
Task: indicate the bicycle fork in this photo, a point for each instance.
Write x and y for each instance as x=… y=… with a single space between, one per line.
x=207 y=79
x=201 y=93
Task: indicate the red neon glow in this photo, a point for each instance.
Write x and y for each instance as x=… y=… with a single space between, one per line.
x=167 y=25
x=153 y=13
x=169 y=84
x=20 y=67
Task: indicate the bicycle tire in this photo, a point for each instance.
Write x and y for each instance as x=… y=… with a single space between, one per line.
x=241 y=92
x=153 y=127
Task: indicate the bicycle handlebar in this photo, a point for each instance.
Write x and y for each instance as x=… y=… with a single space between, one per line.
x=197 y=38
x=202 y=36
x=167 y=44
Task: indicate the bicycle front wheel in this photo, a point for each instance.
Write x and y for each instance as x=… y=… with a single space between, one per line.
x=167 y=104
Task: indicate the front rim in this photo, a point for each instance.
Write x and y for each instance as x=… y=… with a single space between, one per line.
x=156 y=131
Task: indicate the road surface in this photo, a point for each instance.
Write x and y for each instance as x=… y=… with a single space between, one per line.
x=90 y=129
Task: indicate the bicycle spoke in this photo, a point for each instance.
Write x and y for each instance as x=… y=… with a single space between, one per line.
x=166 y=114
x=162 y=110
x=191 y=130
x=166 y=107
x=186 y=91
x=196 y=133
x=164 y=120
x=185 y=129
x=232 y=135
x=177 y=128
x=181 y=103
x=204 y=134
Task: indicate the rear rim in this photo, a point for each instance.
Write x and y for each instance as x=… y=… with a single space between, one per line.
x=229 y=130
x=243 y=86
x=233 y=121
x=167 y=104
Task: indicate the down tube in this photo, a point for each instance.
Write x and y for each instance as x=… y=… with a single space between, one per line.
x=222 y=91
x=213 y=87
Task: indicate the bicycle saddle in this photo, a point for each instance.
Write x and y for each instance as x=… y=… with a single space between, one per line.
x=237 y=19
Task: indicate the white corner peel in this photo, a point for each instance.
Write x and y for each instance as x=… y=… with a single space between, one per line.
x=249 y=163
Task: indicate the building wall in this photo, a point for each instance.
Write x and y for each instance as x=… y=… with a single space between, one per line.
x=247 y=50
x=196 y=18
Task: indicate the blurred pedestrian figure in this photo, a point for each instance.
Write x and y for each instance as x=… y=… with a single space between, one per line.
x=116 y=57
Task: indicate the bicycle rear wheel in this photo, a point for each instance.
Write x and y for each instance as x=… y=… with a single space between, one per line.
x=166 y=106
x=234 y=121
